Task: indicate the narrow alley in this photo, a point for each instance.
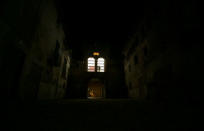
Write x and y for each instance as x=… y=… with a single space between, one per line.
x=102 y=66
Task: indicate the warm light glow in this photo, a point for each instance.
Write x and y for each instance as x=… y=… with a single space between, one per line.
x=96 y=54
x=100 y=65
x=91 y=64
x=92 y=94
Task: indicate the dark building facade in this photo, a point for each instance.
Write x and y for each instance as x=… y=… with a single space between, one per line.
x=102 y=66
x=161 y=57
x=111 y=79
x=35 y=59
x=44 y=55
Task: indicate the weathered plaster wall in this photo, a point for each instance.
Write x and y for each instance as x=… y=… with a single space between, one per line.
x=36 y=40
x=162 y=56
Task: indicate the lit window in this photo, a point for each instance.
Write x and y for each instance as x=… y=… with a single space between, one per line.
x=100 y=65
x=96 y=54
x=91 y=64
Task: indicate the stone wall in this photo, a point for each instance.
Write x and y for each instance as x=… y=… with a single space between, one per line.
x=161 y=56
x=38 y=63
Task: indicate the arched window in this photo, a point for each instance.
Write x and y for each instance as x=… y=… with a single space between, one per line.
x=91 y=64
x=100 y=65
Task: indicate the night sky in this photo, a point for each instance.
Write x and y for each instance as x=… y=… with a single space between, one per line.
x=102 y=23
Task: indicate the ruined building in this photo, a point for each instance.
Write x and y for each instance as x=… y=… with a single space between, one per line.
x=108 y=66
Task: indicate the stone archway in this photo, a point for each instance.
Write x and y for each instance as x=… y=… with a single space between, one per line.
x=96 y=89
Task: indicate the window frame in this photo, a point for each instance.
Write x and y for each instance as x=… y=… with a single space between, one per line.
x=100 y=63
x=91 y=62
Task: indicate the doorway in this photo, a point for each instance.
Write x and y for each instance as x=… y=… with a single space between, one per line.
x=96 y=89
